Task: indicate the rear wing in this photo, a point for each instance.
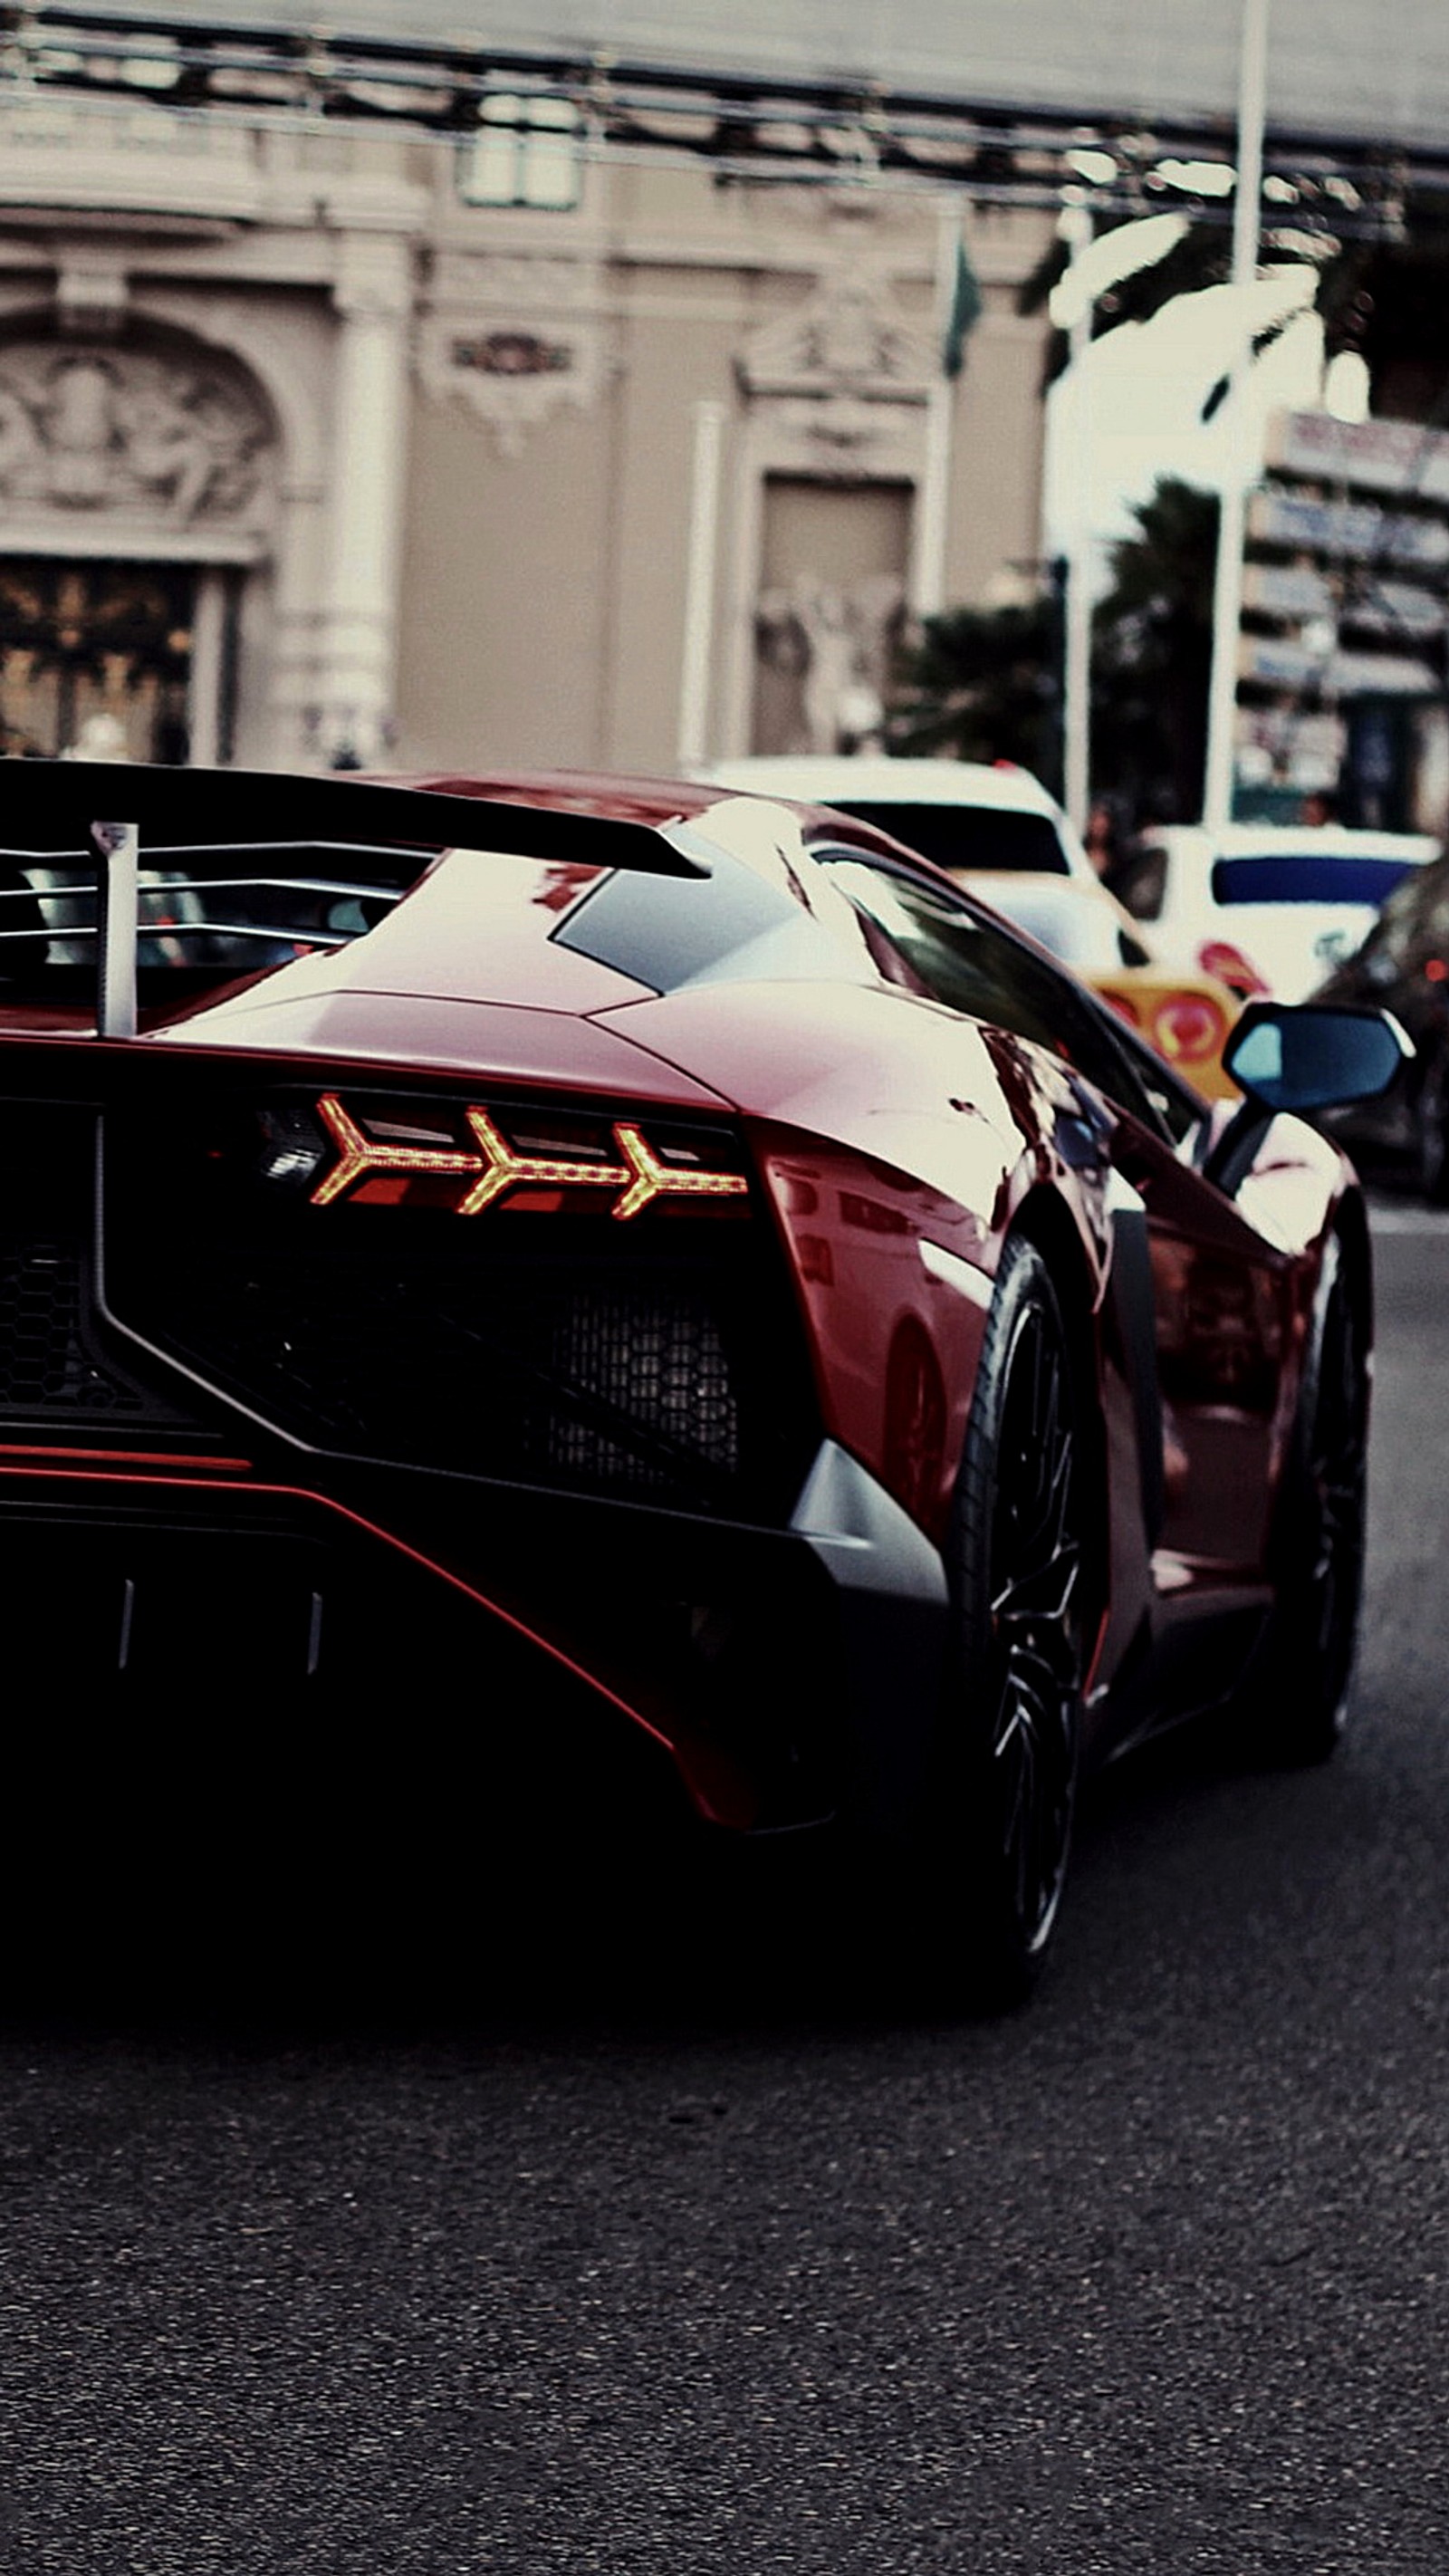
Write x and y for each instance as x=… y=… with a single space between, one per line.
x=200 y=832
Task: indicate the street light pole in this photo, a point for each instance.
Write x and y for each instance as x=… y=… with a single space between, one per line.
x=1228 y=584
x=1076 y=230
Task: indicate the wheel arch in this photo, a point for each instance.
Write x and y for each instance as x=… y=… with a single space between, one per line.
x=1048 y=1225
x=1352 y=1229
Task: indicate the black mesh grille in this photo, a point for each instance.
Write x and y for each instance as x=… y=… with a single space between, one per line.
x=658 y=1361
x=52 y=1366
x=45 y=1367
x=654 y=1355
x=621 y=1381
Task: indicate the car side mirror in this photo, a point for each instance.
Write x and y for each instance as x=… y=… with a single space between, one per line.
x=1311 y=1057
x=1301 y=1058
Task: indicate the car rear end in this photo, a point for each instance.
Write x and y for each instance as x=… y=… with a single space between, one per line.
x=434 y=1429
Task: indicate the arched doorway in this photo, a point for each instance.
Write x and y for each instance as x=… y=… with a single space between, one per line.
x=133 y=658
x=136 y=478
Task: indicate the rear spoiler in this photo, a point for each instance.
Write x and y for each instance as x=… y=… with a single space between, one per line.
x=46 y=807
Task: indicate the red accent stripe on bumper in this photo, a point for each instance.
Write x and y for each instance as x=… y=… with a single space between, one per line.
x=719 y=1793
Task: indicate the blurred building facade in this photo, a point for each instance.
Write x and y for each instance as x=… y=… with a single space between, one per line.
x=1341 y=663
x=318 y=446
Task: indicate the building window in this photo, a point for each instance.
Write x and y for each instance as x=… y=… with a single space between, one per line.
x=527 y=152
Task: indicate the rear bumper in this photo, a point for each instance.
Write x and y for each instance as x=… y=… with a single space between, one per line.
x=505 y=1642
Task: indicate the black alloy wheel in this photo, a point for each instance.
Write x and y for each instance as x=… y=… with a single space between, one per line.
x=1299 y=1706
x=1010 y=1736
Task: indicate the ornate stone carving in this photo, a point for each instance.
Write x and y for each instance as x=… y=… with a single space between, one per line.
x=516 y=340
x=840 y=438
x=835 y=644
x=513 y=353
x=87 y=428
x=849 y=337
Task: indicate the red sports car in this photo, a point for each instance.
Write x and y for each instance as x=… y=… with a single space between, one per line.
x=675 y=1247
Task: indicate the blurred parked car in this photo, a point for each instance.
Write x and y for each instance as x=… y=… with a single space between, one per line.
x=989 y=817
x=1403 y=966
x=998 y=833
x=1269 y=908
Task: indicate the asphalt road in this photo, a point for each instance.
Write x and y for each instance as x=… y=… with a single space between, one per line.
x=684 y=2257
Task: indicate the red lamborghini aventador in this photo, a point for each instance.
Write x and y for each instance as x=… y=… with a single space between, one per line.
x=675 y=1246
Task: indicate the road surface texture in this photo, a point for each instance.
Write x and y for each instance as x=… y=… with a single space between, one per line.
x=677 y=2251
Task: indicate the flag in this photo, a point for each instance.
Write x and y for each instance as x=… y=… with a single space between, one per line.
x=965 y=312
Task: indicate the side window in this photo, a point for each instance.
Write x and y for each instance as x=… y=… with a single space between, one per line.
x=973 y=967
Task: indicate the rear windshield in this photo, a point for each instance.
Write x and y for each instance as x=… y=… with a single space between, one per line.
x=965 y=836
x=671 y=931
x=1303 y=876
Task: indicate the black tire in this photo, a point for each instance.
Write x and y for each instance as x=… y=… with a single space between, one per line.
x=1297 y=1704
x=1431 y=1132
x=997 y=1843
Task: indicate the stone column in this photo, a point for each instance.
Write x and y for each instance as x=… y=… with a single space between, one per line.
x=357 y=636
x=208 y=658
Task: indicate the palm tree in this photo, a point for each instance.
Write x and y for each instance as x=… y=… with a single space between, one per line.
x=1152 y=654
x=982 y=684
x=1383 y=289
